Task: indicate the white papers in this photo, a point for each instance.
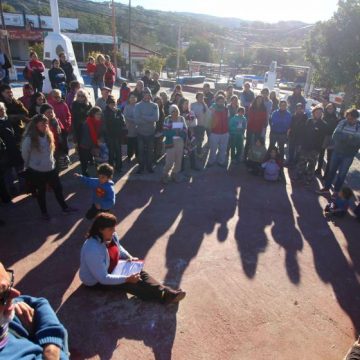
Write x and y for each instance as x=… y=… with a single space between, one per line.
x=127 y=268
x=177 y=125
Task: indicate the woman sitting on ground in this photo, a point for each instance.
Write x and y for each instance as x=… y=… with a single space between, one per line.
x=101 y=253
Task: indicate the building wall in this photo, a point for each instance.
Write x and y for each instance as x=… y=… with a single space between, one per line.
x=19 y=49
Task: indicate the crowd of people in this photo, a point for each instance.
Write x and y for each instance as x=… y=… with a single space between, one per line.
x=35 y=134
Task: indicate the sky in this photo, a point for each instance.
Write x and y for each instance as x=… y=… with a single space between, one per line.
x=308 y=11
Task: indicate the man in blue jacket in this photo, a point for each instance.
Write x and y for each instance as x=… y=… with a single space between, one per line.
x=280 y=123
x=346 y=140
x=29 y=327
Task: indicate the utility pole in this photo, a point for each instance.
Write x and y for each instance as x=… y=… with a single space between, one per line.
x=178 y=52
x=129 y=39
x=114 y=37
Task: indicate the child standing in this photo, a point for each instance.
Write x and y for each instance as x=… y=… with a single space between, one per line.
x=237 y=128
x=103 y=190
x=339 y=206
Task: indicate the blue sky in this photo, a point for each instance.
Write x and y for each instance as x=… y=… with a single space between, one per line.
x=264 y=10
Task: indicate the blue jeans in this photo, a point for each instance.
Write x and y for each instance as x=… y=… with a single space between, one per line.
x=339 y=164
x=96 y=87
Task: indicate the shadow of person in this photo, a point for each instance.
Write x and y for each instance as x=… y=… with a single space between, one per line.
x=109 y=317
x=265 y=212
x=155 y=219
x=329 y=259
x=205 y=207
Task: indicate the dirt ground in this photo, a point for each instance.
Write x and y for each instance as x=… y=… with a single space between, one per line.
x=266 y=275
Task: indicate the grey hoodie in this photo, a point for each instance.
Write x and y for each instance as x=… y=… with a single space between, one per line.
x=146 y=115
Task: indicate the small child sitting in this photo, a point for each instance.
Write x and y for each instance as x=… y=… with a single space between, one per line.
x=237 y=129
x=103 y=190
x=340 y=205
x=102 y=154
x=256 y=156
x=272 y=165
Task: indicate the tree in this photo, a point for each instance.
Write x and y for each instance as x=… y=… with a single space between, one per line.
x=333 y=49
x=200 y=50
x=172 y=59
x=8 y=8
x=265 y=56
x=154 y=63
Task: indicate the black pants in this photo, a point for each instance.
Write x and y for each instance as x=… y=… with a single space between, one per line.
x=93 y=211
x=85 y=156
x=328 y=160
x=146 y=151
x=115 y=154
x=132 y=147
x=65 y=142
x=40 y=180
x=147 y=288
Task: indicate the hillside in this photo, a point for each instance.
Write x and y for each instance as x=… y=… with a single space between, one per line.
x=159 y=30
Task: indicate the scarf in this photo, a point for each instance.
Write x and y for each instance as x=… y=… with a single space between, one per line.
x=94 y=129
x=4 y=331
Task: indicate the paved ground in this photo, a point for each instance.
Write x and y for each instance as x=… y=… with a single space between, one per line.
x=267 y=276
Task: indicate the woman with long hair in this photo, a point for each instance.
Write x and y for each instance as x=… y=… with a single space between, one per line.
x=100 y=255
x=37 y=151
x=257 y=118
x=99 y=75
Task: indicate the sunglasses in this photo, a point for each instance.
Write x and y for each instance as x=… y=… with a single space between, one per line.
x=5 y=296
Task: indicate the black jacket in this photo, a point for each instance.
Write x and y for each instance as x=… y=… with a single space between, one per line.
x=79 y=113
x=297 y=128
x=314 y=135
x=114 y=123
x=11 y=141
x=56 y=77
x=68 y=70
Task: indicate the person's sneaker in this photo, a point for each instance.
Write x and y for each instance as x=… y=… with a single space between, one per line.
x=69 y=210
x=323 y=191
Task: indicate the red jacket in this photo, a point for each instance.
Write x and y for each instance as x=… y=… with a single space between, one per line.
x=36 y=65
x=256 y=120
x=219 y=121
x=90 y=69
x=62 y=113
x=110 y=74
